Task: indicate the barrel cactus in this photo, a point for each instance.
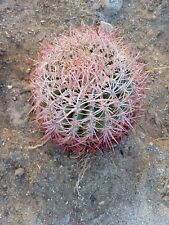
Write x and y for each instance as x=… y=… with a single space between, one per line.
x=86 y=90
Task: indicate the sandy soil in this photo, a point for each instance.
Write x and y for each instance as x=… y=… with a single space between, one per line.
x=126 y=189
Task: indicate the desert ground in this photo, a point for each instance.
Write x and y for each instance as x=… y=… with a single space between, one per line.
x=41 y=186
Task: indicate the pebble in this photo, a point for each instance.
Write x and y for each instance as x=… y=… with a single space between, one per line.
x=66 y=219
x=106 y=27
x=112 y=6
x=9 y=87
x=96 y=6
x=28 y=70
x=7 y=34
x=19 y=172
x=43 y=21
x=151 y=144
x=14 y=98
x=2 y=52
x=2 y=142
x=101 y=203
x=151 y=148
x=142 y=135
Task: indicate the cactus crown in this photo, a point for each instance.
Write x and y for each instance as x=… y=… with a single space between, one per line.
x=86 y=90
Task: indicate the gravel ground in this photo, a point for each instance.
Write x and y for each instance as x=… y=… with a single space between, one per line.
x=40 y=186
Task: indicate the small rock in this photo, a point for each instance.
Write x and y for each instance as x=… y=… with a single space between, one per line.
x=2 y=52
x=93 y=199
x=14 y=98
x=157 y=119
x=9 y=87
x=19 y=172
x=42 y=21
x=106 y=27
x=7 y=34
x=151 y=143
x=66 y=218
x=28 y=70
x=141 y=46
x=4 y=187
x=112 y=7
x=151 y=148
x=96 y=6
x=2 y=142
x=142 y=135
x=101 y=203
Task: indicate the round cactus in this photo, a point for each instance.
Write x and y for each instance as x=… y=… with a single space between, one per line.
x=86 y=90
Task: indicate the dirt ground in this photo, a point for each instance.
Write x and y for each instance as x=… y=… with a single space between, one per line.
x=128 y=187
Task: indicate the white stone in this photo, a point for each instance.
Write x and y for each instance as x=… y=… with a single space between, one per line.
x=112 y=6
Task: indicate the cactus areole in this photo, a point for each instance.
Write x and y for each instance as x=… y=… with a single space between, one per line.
x=86 y=90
